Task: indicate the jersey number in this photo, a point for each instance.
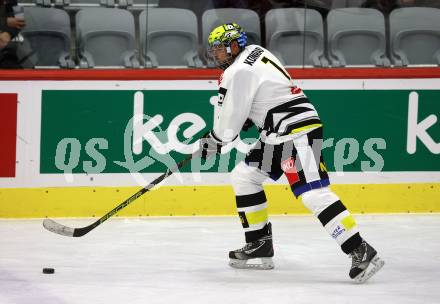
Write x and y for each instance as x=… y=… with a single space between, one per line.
x=267 y=60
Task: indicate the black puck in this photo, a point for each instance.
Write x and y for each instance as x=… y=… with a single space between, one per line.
x=48 y=270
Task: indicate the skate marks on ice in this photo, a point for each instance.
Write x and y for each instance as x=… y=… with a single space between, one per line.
x=185 y=260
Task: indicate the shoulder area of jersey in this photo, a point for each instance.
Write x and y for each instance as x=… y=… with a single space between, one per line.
x=247 y=58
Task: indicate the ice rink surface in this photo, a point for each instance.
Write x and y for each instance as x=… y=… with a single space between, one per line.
x=184 y=260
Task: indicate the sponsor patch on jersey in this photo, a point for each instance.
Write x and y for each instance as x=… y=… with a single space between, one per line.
x=295 y=90
x=253 y=56
x=290 y=171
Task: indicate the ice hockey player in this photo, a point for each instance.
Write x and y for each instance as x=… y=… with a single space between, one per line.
x=255 y=86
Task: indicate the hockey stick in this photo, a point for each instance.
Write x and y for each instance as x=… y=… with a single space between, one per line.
x=55 y=227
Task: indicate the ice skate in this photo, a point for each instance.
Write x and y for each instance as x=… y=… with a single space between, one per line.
x=254 y=255
x=365 y=263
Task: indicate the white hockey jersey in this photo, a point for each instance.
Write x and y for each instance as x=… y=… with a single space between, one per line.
x=257 y=86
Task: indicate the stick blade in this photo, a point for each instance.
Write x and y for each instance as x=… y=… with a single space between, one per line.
x=57 y=228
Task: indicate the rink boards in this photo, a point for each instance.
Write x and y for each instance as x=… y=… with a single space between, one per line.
x=68 y=147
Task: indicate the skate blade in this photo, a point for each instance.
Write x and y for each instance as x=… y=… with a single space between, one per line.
x=266 y=264
x=375 y=265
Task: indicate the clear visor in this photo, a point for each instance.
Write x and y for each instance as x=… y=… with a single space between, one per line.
x=220 y=54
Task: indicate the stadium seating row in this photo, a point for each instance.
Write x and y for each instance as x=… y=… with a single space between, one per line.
x=75 y=4
x=169 y=37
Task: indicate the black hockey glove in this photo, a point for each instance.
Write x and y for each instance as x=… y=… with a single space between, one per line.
x=208 y=146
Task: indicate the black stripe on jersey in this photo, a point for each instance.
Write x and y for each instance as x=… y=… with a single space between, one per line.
x=331 y=212
x=352 y=243
x=250 y=200
x=295 y=111
x=287 y=107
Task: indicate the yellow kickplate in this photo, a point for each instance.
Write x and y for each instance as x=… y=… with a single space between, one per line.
x=206 y=200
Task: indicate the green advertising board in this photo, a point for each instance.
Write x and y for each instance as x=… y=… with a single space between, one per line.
x=364 y=130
